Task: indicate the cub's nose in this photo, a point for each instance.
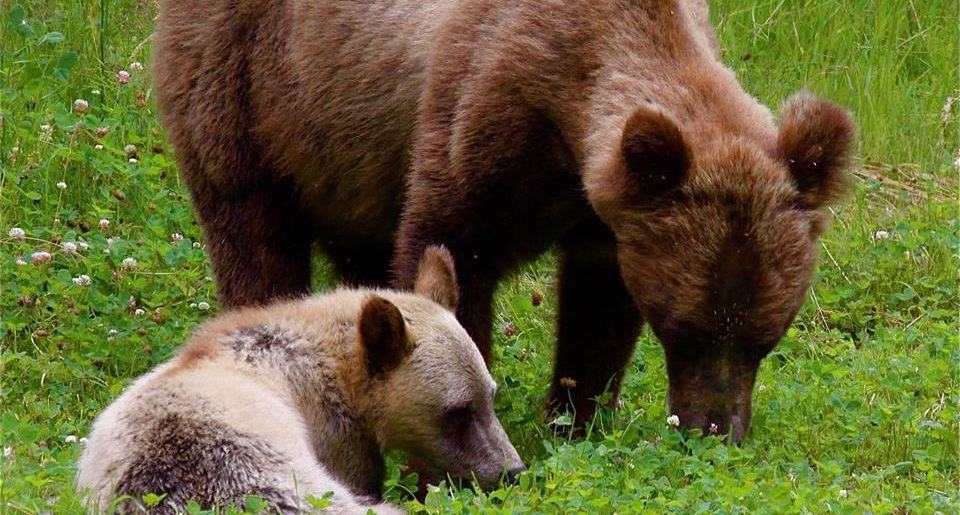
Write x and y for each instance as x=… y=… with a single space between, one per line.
x=514 y=472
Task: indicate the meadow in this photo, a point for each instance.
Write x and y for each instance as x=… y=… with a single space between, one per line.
x=103 y=273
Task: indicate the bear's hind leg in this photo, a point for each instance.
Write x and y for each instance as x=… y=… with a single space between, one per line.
x=597 y=322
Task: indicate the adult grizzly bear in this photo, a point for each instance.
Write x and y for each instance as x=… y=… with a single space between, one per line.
x=609 y=129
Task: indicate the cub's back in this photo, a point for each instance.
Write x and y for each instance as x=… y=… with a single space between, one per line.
x=167 y=434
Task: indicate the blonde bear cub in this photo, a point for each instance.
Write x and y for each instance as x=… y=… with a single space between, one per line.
x=301 y=398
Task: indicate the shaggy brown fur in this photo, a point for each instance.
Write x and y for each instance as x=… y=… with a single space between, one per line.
x=502 y=128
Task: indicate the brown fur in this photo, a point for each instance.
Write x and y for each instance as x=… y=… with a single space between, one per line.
x=814 y=138
x=383 y=335
x=196 y=352
x=437 y=278
x=607 y=128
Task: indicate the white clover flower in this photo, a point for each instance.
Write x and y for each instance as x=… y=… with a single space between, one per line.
x=139 y=312
x=8 y=452
x=196 y=244
x=46 y=132
x=69 y=248
x=673 y=420
x=21 y=262
x=947 y=109
x=104 y=224
x=133 y=160
x=83 y=246
x=98 y=147
x=16 y=232
x=843 y=494
x=203 y=306
x=82 y=280
x=83 y=440
x=62 y=185
x=176 y=237
x=102 y=131
x=110 y=241
x=136 y=66
x=39 y=258
x=112 y=332
x=129 y=263
x=123 y=77
x=881 y=235
x=70 y=439
x=81 y=106
x=95 y=92
x=131 y=150
x=713 y=429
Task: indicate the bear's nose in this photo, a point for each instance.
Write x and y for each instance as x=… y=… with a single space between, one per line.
x=732 y=428
x=514 y=472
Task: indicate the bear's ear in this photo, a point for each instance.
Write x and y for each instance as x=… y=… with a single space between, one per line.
x=383 y=335
x=814 y=142
x=437 y=278
x=656 y=155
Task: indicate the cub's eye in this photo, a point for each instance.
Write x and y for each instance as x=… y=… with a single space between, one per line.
x=458 y=416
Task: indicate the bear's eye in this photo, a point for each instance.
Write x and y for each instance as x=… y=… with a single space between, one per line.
x=458 y=416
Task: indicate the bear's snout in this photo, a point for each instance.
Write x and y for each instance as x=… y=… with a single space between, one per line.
x=491 y=457
x=731 y=423
x=724 y=425
x=514 y=472
x=712 y=393
x=501 y=460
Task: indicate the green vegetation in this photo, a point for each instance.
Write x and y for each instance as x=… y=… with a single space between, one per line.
x=856 y=410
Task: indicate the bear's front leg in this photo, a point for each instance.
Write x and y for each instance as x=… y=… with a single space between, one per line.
x=495 y=187
x=257 y=240
x=476 y=278
x=597 y=323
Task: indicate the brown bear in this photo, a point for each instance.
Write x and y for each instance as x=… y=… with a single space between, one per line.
x=607 y=129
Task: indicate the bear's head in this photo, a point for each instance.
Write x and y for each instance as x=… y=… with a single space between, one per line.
x=431 y=390
x=718 y=248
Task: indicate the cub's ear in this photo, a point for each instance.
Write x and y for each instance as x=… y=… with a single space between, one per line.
x=437 y=278
x=655 y=154
x=383 y=335
x=815 y=140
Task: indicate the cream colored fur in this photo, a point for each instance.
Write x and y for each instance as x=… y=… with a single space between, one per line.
x=308 y=398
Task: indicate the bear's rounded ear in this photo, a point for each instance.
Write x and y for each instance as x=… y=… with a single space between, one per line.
x=814 y=142
x=656 y=155
x=383 y=335
x=437 y=277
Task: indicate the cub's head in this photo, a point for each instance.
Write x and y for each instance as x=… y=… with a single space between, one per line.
x=431 y=392
x=718 y=248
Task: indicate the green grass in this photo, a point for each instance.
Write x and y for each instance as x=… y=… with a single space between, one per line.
x=857 y=410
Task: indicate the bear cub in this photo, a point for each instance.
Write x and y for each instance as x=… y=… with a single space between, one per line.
x=301 y=398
